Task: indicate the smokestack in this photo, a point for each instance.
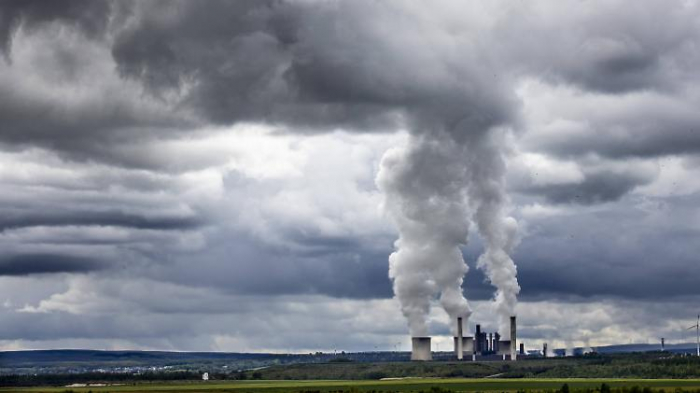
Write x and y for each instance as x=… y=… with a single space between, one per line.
x=421 y=348
x=477 y=340
x=460 y=339
x=663 y=346
x=544 y=349
x=513 y=343
x=522 y=348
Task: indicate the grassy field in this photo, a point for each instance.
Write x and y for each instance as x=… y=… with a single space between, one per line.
x=630 y=366
x=402 y=385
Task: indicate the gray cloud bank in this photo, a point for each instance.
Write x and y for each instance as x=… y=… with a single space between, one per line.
x=230 y=148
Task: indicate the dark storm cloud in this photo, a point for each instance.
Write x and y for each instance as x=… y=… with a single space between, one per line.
x=59 y=87
x=42 y=326
x=299 y=64
x=225 y=55
x=639 y=248
x=107 y=217
x=226 y=62
x=245 y=264
x=22 y=265
x=586 y=279
x=80 y=130
x=645 y=125
x=82 y=201
x=90 y=16
x=597 y=187
x=603 y=47
x=265 y=321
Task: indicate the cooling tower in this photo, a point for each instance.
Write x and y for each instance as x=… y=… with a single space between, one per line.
x=421 y=348
x=513 y=339
x=503 y=348
x=467 y=345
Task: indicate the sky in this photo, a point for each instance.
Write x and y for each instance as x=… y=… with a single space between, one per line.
x=203 y=176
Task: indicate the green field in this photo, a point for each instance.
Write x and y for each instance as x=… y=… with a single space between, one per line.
x=402 y=385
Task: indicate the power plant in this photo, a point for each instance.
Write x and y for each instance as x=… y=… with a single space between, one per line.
x=480 y=345
x=421 y=348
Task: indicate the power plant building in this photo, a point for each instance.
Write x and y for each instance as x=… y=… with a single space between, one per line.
x=467 y=346
x=421 y=349
x=482 y=344
x=503 y=348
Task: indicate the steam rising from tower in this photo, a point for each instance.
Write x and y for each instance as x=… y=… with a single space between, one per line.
x=423 y=186
x=432 y=187
x=450 y=173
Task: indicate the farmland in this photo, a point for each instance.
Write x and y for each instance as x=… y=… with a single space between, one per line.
x=397 y=385
x=634 y=372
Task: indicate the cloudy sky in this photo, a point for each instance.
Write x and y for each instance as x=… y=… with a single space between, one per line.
x=202 y=175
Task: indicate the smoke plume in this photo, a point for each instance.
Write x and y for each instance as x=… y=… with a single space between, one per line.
x=448 y=175
x=432 y=186
x=424 y=193
x=486 y=192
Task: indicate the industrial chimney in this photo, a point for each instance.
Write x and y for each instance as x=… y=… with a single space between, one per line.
x=421 y=348
x=460 y=339
x=513 y=343
x=544 y=350
x=478 y=344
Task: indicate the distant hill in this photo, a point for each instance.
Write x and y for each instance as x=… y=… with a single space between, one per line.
x=82 y=361
x=77 y=360
x=628 y=348
x=64 y=367
x=83 y=355
x=676 y=348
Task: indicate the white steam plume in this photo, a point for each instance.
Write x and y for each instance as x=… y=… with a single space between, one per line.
x=423 y=185
x=487 y=196
x=432 y=186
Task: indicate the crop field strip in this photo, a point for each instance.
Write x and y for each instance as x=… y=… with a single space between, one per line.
x=403 y=385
